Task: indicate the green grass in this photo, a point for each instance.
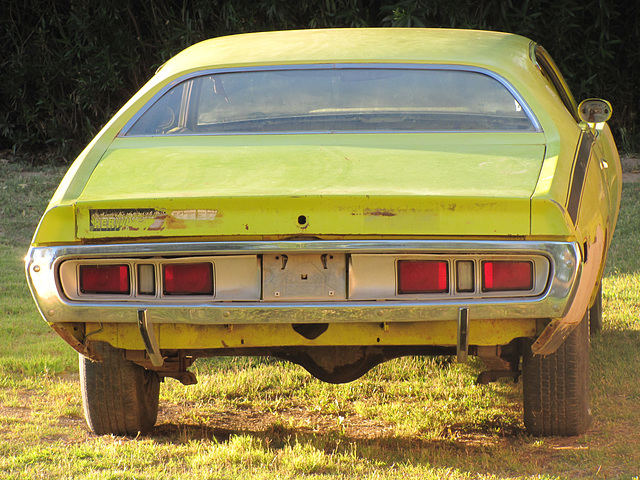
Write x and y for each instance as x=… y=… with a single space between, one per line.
x=623 y=255
x=27 y=345
x=253 y=418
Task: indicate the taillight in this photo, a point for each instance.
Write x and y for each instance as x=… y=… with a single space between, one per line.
x=423 y=276
x=506 y=275
x=112 y=279
x=188 y=279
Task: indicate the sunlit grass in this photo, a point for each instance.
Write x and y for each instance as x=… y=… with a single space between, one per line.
x=27 y=345
x=252 y=418
x=409 y=396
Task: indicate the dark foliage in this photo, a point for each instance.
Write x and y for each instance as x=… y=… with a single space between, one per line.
x=67 y=66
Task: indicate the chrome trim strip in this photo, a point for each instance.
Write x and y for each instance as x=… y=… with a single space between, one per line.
x=334 y=66
x=297 y=246
x=331 y=132
x=565 y=263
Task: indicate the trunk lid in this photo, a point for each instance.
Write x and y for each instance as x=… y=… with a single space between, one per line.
x=369 y=185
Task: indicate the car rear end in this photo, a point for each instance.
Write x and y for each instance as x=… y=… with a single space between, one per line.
x=336 y=215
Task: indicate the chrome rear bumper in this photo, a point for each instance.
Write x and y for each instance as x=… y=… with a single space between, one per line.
x=552 y=301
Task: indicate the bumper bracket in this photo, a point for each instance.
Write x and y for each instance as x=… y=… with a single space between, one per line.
x=149 y=338
x=463 y=335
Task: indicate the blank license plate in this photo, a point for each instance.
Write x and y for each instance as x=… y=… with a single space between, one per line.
x=319 y=277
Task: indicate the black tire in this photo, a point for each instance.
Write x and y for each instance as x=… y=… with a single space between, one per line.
x=118 y=396
x=595 y=314
x=556 y=387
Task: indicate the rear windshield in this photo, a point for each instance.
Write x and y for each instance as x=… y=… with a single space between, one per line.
x=318 y=100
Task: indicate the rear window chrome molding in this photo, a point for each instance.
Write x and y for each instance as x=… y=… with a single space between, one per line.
x=42 y=264
x=537 y=127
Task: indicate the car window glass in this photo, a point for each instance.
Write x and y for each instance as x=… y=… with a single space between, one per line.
x=335 y=100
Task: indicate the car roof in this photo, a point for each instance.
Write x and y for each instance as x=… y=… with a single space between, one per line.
x=493 y=50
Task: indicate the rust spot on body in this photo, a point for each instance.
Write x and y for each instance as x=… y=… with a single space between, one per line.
x=379 y=213
x=175 y=223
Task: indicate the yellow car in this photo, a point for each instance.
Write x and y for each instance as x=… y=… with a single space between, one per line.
x=336 y=198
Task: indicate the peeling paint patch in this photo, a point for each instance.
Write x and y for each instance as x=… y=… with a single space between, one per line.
x=150 y=219
x=116 y=220
x=194 y=214
x=158 y=223
x=379 y=213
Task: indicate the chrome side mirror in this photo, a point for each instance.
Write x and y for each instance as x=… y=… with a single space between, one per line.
x=594 y=110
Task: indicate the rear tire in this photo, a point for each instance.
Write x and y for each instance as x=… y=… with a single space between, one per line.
x=595 y=314
x=118 y=396
x=556 y=387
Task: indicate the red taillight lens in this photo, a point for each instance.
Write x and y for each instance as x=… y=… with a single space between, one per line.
x=112 y=279
x=423 y=276
x=506 y=275
x=188 y=279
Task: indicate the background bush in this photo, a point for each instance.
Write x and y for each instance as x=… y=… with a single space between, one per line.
x=67 y=66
